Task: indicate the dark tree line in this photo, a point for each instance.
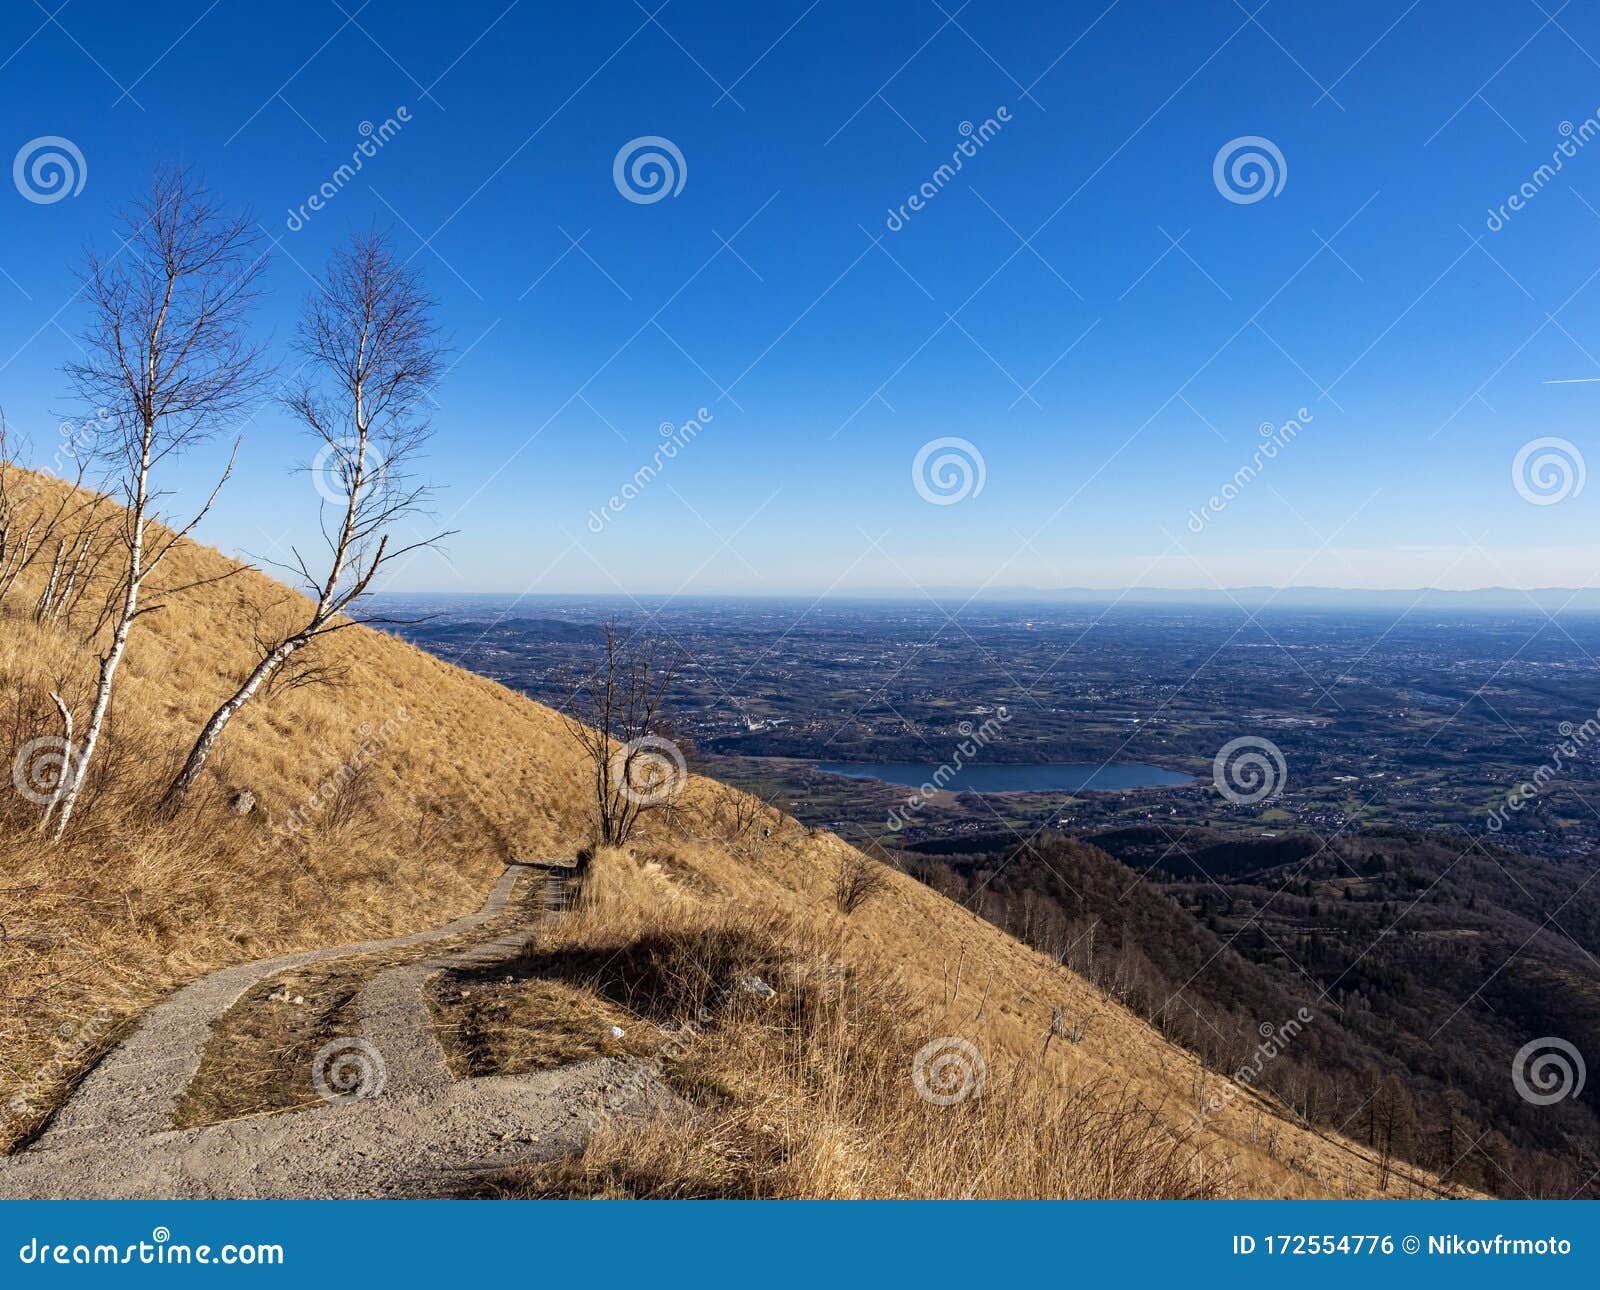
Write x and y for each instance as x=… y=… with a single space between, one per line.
x=1207 y=972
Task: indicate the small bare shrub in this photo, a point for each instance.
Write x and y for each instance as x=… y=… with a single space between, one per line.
x=857 y=881
x=615 y=718
x=354 y=799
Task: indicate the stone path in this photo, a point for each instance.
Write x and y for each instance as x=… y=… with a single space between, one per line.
x=413 y=1130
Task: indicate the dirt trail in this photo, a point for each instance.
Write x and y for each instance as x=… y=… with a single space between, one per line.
x=410 y=1132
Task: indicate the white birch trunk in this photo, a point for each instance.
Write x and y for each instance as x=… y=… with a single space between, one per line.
x=72 y=780
x=196 y=760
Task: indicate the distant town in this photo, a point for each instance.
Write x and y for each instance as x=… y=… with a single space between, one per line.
x=1433 y=719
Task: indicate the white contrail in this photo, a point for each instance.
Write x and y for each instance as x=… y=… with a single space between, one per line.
x=1572 y=380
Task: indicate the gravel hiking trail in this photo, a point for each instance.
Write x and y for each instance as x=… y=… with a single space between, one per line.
x=408 y=1128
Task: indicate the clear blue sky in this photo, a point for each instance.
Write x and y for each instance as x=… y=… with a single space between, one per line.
x=1110 y=382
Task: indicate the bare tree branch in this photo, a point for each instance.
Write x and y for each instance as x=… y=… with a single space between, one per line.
x=166 y=363
x=615 y=717
x=369 y=339
x=28 y=530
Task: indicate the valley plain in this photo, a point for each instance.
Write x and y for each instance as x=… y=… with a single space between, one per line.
x=1385 y=717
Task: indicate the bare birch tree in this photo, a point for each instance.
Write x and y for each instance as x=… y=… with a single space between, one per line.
x=28 y=526
x=615 y=718
x=167 y=362
x=75 y=568
x=368 y=337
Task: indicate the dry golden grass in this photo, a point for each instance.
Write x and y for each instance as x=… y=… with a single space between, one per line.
x=491 y=1023
x=807 y=1091
x=811 y=1094
x=262 y=1050
x=461 y=775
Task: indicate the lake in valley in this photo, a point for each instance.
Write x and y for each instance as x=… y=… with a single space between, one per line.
x=1049 y=777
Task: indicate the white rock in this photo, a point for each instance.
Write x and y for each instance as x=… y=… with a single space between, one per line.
x=756 y=986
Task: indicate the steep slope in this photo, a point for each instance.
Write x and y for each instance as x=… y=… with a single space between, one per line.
x=1429 y=959
x=388 y=798
x=1443 y=954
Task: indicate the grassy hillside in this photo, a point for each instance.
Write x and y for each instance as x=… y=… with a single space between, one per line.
x=1205 y=959
x=1440 y=955
x=388 y=799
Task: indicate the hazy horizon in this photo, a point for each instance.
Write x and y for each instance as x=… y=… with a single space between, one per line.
x=1534 y=599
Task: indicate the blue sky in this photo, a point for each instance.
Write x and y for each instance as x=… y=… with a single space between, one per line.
x=1081 y=303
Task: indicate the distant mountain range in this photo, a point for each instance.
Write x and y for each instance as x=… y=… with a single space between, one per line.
x=1584 y=600
x=1506 y=599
